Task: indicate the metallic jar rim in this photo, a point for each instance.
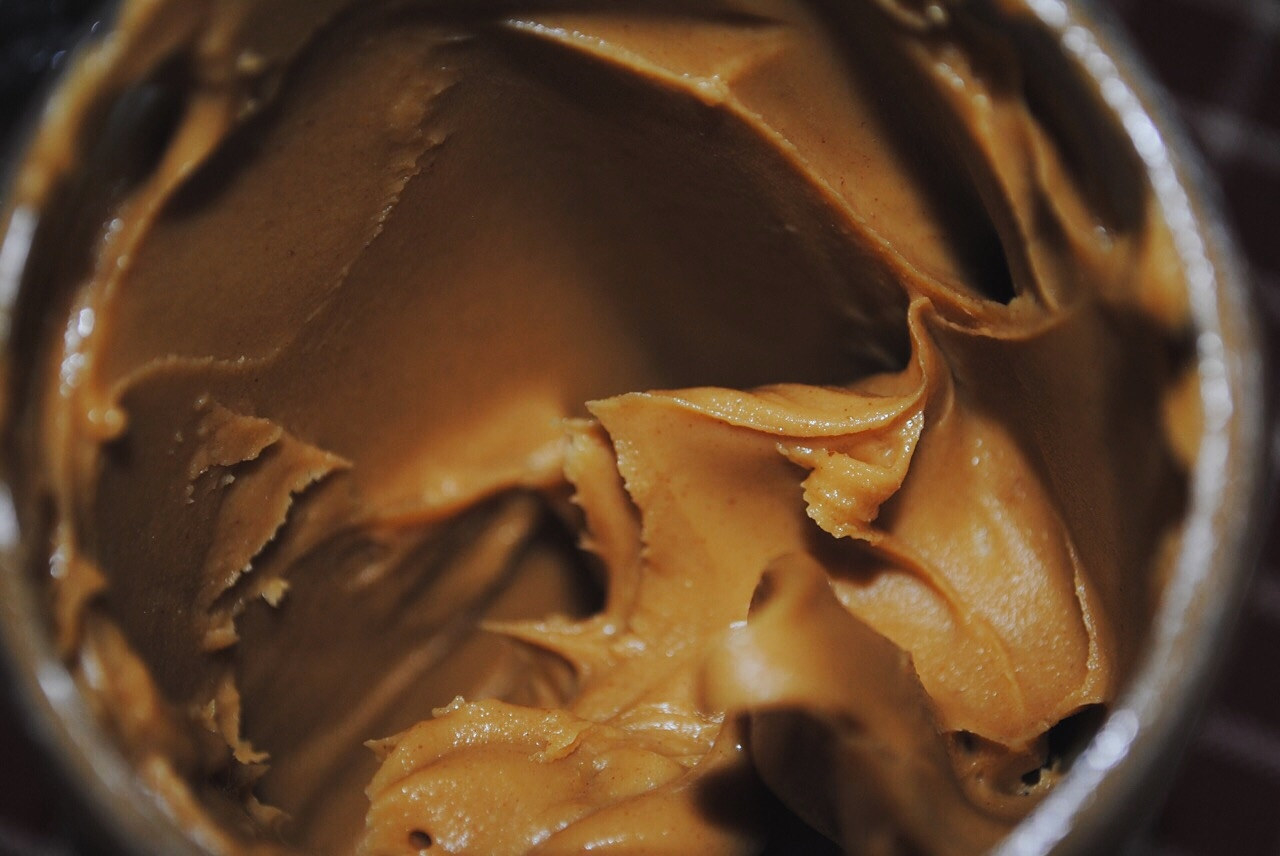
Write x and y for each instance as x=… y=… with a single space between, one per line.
x=1120 y=769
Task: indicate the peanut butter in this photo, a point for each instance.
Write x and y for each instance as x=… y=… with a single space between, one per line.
x=722 y=426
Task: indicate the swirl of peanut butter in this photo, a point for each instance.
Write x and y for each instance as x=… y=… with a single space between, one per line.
x=724 y=426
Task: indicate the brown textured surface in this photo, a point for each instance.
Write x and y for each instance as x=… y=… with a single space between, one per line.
x=1222 y=60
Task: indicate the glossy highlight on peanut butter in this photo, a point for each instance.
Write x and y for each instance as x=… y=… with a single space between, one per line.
x=703 y=427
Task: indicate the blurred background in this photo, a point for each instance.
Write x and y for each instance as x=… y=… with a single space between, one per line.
x=1221 y=61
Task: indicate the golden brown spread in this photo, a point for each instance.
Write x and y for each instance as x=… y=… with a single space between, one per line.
x=711 y=426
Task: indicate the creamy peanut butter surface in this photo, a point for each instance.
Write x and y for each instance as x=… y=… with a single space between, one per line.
x=721 y=426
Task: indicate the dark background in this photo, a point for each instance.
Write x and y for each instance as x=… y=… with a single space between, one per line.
x=1221 y=60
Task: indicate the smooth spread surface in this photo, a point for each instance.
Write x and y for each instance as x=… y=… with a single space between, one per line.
x=705 y=427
